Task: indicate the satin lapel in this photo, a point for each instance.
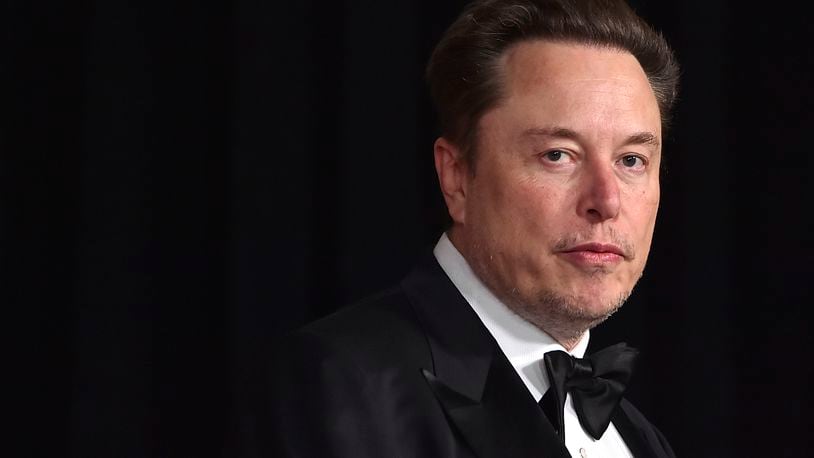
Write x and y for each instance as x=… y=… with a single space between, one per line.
x=633 y=435
x=482 y=395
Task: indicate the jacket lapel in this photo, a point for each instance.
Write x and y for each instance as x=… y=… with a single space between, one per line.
x=637 y=433
x=482 y=395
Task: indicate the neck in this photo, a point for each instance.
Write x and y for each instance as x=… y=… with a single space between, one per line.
x=569 y=340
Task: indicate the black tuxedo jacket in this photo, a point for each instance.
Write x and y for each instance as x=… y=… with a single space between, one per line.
x=412 y=372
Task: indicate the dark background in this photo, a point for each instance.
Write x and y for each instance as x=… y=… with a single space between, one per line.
x=182 y=181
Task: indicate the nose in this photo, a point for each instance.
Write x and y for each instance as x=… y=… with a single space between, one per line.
x=599 y=198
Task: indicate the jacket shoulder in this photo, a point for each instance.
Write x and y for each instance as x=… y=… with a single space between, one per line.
x=339 y=386
x=378 y=331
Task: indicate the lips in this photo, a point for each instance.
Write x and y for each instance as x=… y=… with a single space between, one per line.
x=594 y=254
x=597 y=248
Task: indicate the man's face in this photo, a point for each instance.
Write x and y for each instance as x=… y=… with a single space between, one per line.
x=558 y=216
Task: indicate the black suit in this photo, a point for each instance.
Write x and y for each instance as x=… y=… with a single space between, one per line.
x=412 y=372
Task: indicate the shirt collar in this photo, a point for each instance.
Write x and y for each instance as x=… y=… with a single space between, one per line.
x=523 y=343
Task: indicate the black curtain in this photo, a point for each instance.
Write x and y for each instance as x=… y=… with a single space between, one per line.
x=183 y=182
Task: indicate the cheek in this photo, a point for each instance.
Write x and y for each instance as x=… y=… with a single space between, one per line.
x=516 y=206
x=645 y=221
x=535 y=210
x=642 y=203
x=652 y=207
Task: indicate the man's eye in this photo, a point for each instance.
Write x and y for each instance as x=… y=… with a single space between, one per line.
x=554 y=156
x=632 y=161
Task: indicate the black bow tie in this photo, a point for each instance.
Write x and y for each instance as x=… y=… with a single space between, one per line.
x=596 y=384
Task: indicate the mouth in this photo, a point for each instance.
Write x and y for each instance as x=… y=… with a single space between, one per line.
x=594 y=254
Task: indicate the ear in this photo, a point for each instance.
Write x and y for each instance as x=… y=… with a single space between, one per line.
x=453 y=176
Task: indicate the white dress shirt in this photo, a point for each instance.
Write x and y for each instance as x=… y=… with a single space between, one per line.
x=524 y=345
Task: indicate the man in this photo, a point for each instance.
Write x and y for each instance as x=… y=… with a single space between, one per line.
x=552 y=117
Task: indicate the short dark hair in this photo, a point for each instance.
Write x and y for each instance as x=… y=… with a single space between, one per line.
x=463 y=71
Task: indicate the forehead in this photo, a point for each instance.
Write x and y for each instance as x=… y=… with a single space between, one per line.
x=556 y=82
x=527 y=61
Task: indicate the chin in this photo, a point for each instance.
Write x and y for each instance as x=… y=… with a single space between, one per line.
x=598 y=292
x=601 y=308
x=592 y=304
x=583 y=311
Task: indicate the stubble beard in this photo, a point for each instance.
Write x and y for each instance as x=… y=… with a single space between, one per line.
x=566 y=318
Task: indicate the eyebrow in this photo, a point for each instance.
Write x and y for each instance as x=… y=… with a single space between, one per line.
x=639 y=138
x=643 y=138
